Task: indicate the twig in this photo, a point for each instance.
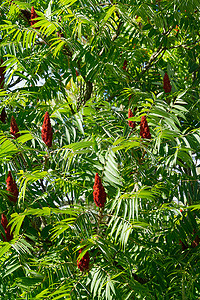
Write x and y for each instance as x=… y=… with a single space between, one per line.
x=14 y=83
x=69 y=104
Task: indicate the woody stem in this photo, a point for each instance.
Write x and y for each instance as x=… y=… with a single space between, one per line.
x=100 y=216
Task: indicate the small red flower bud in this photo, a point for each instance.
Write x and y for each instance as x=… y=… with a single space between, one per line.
x=99 y=193
x=33 y=16
x=14 y=128
x=83 y=263
x=4 y=223
x=166 y=84
x=12 y=188
x=144 y=129
x=47 y=134
x=3 y=115
x=131 y=123
x=125 y=65
x=176 y=29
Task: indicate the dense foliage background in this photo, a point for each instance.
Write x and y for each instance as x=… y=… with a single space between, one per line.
x=87 y=63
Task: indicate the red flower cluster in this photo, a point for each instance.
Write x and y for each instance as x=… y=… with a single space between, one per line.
x=2 y=78
x=47 y=133
x=125 y=65
x=144 y=129
x=131 y=123
x=3 y=115
x=33 y=16
x=14 y=128
x=99 y=193
x=12 y=188
x=166 y=84
x=4 y=223
x=83 y=263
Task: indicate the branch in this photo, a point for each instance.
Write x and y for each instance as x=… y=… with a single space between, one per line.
x=152 y=59
x=185 y=46
x=115 y=36
x=100 y=216
x=117 y=32
x=69 y=104
x=89 y=87
x=159 y=51
x=88 y=92
x=155 y=54
x=14 y=83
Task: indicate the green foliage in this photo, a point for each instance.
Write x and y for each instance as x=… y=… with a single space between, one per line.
x=86 y=63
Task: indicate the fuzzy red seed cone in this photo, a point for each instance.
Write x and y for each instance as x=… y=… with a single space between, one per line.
x=47 y=133
x=3 y=115
x=3 y=237
x=144 y=129
x=125 y=65
x=2 y=69
x=8 y=235
x=166 y=84
x=83 y=263
x=99 y=194
x=131 y=123
x=33 y=16
x=4 y=221
x=14 y=130
x=12 y=188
